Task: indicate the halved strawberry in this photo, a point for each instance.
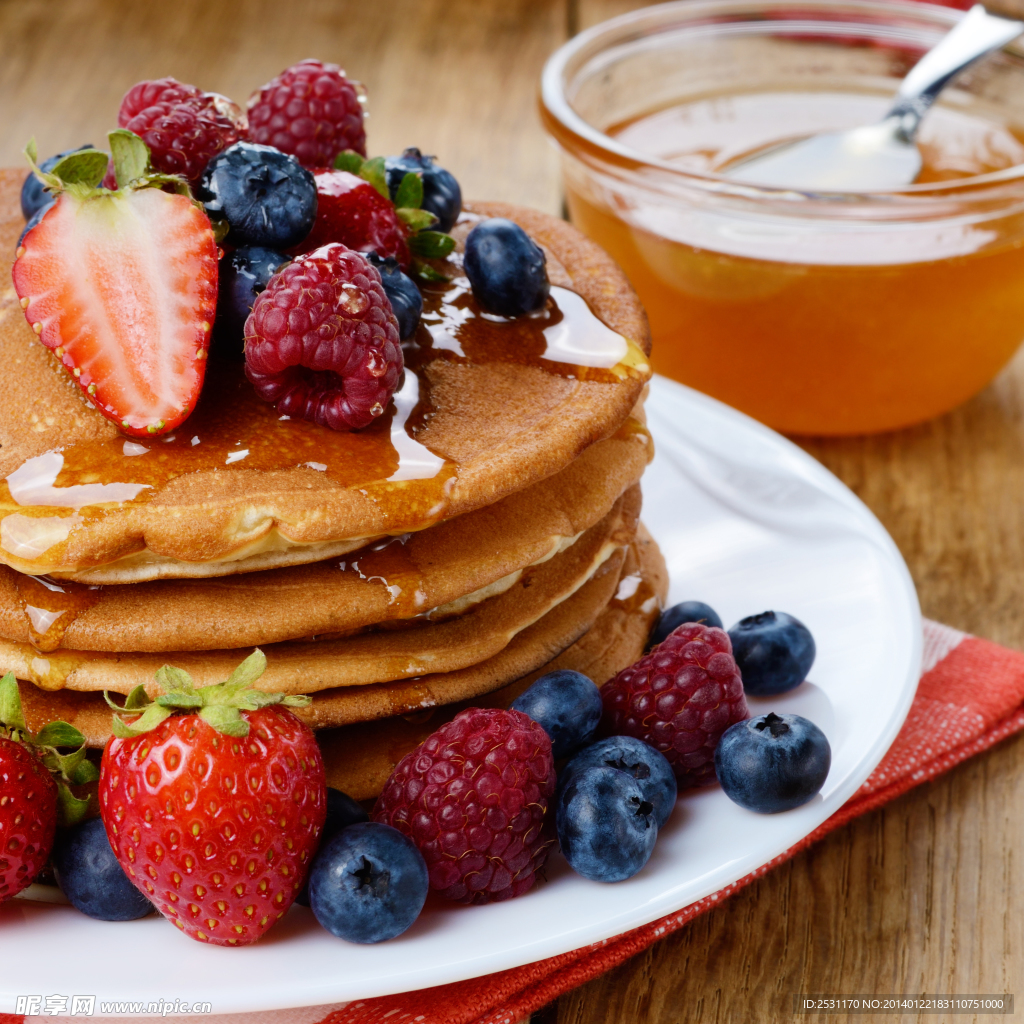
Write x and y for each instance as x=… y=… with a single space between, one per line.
x=122 y=286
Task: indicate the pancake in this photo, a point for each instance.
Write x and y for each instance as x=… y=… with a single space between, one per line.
x=368 y=658
x=526 y=653
x=360 y=758
x=612 y=632
x=465 y=560
x=486 y=409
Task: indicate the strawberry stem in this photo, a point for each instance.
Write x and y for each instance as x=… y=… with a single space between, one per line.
x=219 y=704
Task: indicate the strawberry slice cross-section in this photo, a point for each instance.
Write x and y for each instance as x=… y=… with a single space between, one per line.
x=122 y=287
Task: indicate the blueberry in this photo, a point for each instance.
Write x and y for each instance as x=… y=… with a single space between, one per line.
x=441 y=193
x=506 y=268
x=402 y=293
x=649 y=767
x=266 y=196
x=772 y=763
x=567 y=705
x=686 y=611
x=342 y=811
x=243 y=275
x=606 y=829
x=368 y=884
x=91 y=878
x=774 y=652
x=33 y=197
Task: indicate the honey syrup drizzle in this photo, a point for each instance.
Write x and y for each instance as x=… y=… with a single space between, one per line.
x=232 y=429
x=635 y=593
x=395 y=565
x=50 y=607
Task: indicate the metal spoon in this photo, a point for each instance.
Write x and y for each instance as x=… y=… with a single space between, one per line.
x=883 y=155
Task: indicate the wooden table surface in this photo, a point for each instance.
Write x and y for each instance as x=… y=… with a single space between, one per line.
x=924 y=895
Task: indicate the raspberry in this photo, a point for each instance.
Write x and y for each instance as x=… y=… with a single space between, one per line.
x=473 y=797
x=680 y=698
x=351 y=211
x=312 y=111
x=183 y=127
x=322 y=343
x=158 y=92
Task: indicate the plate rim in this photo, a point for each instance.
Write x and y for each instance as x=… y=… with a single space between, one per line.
x=652 y=910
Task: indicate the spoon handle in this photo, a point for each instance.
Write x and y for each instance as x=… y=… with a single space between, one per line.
x=977 y=33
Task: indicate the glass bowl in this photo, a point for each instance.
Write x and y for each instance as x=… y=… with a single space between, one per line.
x=841 y=313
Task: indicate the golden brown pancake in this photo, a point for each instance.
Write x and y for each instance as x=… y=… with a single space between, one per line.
x=612 y=636
x=360 y=758
x=475 y=555
x=367 y=658
x=485 y=411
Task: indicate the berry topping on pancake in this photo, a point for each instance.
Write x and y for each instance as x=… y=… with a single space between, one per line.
x=122 y=286
x=322 y=341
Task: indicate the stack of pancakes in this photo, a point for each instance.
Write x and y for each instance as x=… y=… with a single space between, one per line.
x=483 y=532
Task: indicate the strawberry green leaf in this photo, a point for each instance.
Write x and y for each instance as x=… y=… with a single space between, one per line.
x=179 y=700
x=410 y=192
x=233 y=692
x=225 y=720
x=146 y=722
x=83 y=774
x=131 y=156
x=74 y=768
x=51 y=181
x=10 y=704
x=138 y=698
x=174 y=680
x=59 y=734
x=432 y=245
x=70 y=808
x=253 y=700
x=425 y=272
x=250 y=670
x=219 y=704
x=373 y=172
x=85 y=167
x=347 y=160
x=416 y=220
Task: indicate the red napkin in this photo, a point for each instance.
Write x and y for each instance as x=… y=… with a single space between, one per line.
x=971 y=696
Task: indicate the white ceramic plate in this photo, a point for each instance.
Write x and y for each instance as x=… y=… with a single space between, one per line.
x=747 y=522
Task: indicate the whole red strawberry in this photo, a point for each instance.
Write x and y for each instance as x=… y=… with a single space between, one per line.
x=351 y=211
x=122 y=288
x=215 y=811
x=183 y=127
x=322 y=340
x=473 y=797
x=33 y=789
x=28 y=817
x=680 y=698
x=312 y=111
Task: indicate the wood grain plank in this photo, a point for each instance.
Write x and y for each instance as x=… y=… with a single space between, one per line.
x=456 y=77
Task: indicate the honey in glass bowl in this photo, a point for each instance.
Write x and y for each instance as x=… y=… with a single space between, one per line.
x=817 y=314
